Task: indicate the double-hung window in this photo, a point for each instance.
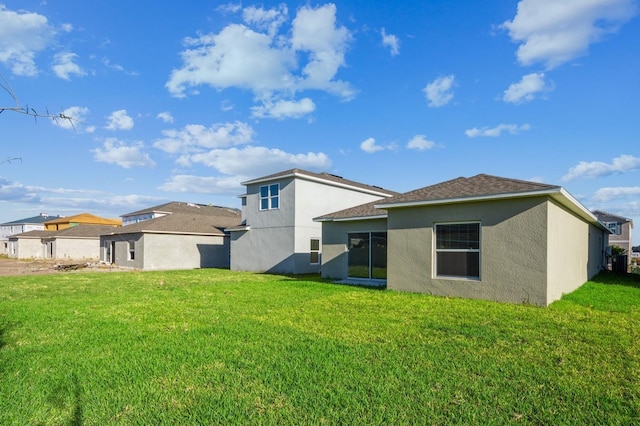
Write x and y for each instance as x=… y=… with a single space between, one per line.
x=458 y=250
x=314 y=253
x=270 y=197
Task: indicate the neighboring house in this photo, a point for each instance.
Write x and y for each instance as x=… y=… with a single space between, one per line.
x=19 y=226
x=77 y=242
x=483 y=237
x=278 y=233
x=172 y=236
x=621 y=231
x=79 y=219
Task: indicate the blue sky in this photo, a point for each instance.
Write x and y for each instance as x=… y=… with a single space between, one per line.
x=182 y=103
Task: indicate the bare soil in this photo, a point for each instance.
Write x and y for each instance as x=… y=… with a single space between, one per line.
x=10 y=266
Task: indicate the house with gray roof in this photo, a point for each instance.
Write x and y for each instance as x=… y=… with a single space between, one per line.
x=482 y=237
x=20 y=226
x=81 y=242
x=621 y=231
x=172 y=236
x=278 y=233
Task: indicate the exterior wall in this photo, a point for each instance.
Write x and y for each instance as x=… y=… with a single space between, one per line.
x=263 y=250
x=121 y=252
x=7 y=230
x=27 y=248
x=278 y=240
x=575 y=252
x=513 y=250
x=164 y=251
x=76 y=248
x=168 y=251
x=335 y=240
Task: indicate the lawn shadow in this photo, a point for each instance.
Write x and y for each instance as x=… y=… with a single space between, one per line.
x=617 y=278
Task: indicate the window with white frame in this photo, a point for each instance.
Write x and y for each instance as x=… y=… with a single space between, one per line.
x=614 y=227
x=458 y=250
x=270 y=196
x=314 y=253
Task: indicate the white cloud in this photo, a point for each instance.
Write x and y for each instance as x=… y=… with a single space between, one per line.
x=165 y=116
x=554 y=32
x=369 y=145
x=196 y=137
x=613 y=193
x=77 y=117
x=203 y=184
x=22 y=36
x=526 y=89
x=119 y=120
x=64 y=65
x=270 y=19
x=439 y=92
x=284 y=109
x=496 y=131
x=420 y=143
x=391 y=41
x=621 y=164
x=270 y=61
x=117 y=152
x=257 y=161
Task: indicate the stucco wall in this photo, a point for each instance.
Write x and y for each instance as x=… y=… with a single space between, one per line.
x=279 y=240
x=121 y=252
x=163 y=251
x=513 y=253
x=263 y=250
x=575 y=252
x=76 y=248
x=27 y=248
x=335 y=255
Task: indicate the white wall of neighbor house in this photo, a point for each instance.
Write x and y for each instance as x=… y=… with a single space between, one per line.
x=575 y=251
x=166 y=251
x=513 y=250
x=335 y=254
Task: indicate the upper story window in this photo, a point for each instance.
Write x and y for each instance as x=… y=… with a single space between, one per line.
x=615 y=228
x=458 y=250
x=270 y=196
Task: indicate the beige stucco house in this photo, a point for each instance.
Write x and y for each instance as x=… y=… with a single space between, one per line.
x=483 y=237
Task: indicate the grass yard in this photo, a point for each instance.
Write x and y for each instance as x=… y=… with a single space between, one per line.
x=220 y=347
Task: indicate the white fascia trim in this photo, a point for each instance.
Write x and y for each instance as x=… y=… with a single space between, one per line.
x=319 y=180
x=238 y=228
x=350 y=219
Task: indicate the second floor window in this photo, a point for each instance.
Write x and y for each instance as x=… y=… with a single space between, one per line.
x=270 y=197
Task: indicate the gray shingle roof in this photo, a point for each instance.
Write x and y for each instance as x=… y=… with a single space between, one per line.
x=35 y=219
x=456 y=189
x=367 y=210
x=183 y=223
x=610 y=217
x=477 y=186
x=328 y=177
x=191 y=208
x=79 y=231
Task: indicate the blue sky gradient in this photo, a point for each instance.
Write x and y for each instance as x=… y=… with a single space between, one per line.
x=182 y=103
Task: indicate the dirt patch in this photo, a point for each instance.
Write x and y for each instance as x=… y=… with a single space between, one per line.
x=9 y=266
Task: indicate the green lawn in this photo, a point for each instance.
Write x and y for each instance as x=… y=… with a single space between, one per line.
x=221 y=347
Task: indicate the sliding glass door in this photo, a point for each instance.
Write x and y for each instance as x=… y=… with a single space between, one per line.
x=368 y=255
